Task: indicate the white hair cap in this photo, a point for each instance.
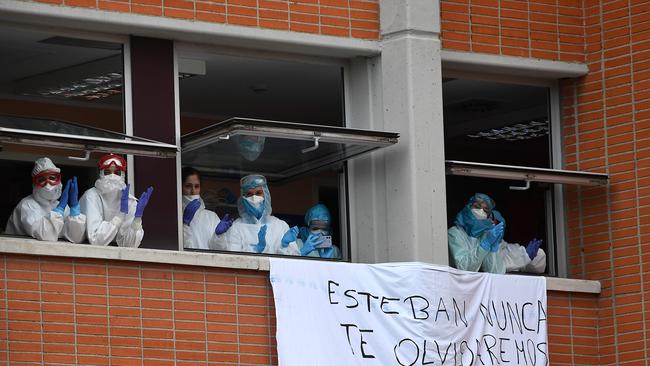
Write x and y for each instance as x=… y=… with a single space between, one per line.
x=44 y=164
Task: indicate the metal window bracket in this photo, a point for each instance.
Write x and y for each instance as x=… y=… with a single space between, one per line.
x=520 y=188
x=227 y=137
x=86 y=156
x=315 y=147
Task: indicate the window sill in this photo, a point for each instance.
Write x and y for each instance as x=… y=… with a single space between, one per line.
x=220 y=260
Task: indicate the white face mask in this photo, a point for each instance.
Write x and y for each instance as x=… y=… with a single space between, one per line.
x=189 y=198
x=48 y=193
x=110 y=183
x=479 y=213
x=319 y=231
x=255 y=201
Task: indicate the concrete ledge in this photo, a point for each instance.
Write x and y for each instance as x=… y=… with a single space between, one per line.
x=571 y=285
x=510 y=65
x=26 y=246
x=94 y=20
x=62 y=249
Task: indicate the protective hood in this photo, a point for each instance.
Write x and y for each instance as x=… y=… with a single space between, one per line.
x=247 y=211
x=473 y=226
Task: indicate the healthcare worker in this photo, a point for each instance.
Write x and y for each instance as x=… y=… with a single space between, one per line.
x=112 y=214
x=256 y=231
x=49 y=213
x=200 y=226
x=319 y=224
x=476 y=242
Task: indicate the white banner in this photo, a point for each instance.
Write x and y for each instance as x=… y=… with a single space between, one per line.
x=406 y=314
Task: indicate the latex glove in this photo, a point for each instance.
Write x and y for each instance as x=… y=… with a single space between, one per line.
x=190 y=210
x=142 y=202
x=223 y=225
x=533 y=247
x=327 y=252
x=312 y=242
x=493 y=238
x=124 y=200
x=290 y=236
x=261 y=237
x=63 y=200
x=73 y=198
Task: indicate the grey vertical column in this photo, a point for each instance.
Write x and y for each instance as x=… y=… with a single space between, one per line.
x=412 y=101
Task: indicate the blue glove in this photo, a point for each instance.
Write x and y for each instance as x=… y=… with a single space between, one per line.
x=493 y=238
x=289 y=236
x=223 y=225
x=63 y=200
x=327 y=252
x=73 y=198
x=533 y=247
x=261 y=236
x=190 y=210
x=312 y=242
x=124 y=200
x=142 y=202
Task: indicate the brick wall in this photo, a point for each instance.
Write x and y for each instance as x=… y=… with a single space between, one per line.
x=78 y=311
x=606 y=128
x=547 y=29
x=344 y=18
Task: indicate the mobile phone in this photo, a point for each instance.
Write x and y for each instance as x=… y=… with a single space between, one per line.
x=327 y=242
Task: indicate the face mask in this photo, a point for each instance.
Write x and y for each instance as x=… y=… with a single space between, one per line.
x=48 y=193
x=110 y=183
x=255 y=201
x=322 y=232
x=250 y=149
x=479 y=213
x=189 y=198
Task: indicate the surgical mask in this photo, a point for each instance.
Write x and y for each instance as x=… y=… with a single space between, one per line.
x=255 y=201
x=110 y=183
x=189 y=198
x=322 y=232
x=479 y=213
x=251 y=147
x=48 y=193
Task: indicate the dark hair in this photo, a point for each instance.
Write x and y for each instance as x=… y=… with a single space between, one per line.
x=187 y=171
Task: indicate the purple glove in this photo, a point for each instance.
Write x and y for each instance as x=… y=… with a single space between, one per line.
x=261 y=237
x=223 y=225
x=142 y=202
x=533 y=247
x=190 y=210
x=124 y=200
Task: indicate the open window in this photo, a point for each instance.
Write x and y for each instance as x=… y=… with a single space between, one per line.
x=498 y=142
x=283 y=119
x=62 y=96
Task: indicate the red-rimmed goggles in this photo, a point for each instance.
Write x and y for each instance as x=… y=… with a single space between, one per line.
x=112 y=160
x=46 y=177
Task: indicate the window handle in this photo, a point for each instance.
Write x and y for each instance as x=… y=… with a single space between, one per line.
x=315 y=147
x=519 y=188
x=86 y=156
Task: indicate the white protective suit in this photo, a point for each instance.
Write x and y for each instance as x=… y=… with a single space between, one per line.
x=242 y=236
x=105 y=222
x=199 y=234
x=34 y=217
x=467 y=254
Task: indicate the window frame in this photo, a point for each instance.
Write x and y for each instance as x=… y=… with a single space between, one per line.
x=185 y=49
x=554 y=202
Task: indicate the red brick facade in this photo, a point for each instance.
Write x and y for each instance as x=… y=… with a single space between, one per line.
x=342 y=18
x=606 y=128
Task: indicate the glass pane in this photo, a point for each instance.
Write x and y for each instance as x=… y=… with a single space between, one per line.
x=276 y=158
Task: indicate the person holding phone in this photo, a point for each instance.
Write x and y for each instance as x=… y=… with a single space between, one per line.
x=476 y=242
x=315 y=240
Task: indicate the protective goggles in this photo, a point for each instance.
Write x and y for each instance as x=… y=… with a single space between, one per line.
x=318 y=225
x=46 y=177
x=252 y=181
x=112 y=160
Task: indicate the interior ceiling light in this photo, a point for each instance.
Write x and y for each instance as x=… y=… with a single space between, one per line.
x=90 y=88
x=517 y=132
